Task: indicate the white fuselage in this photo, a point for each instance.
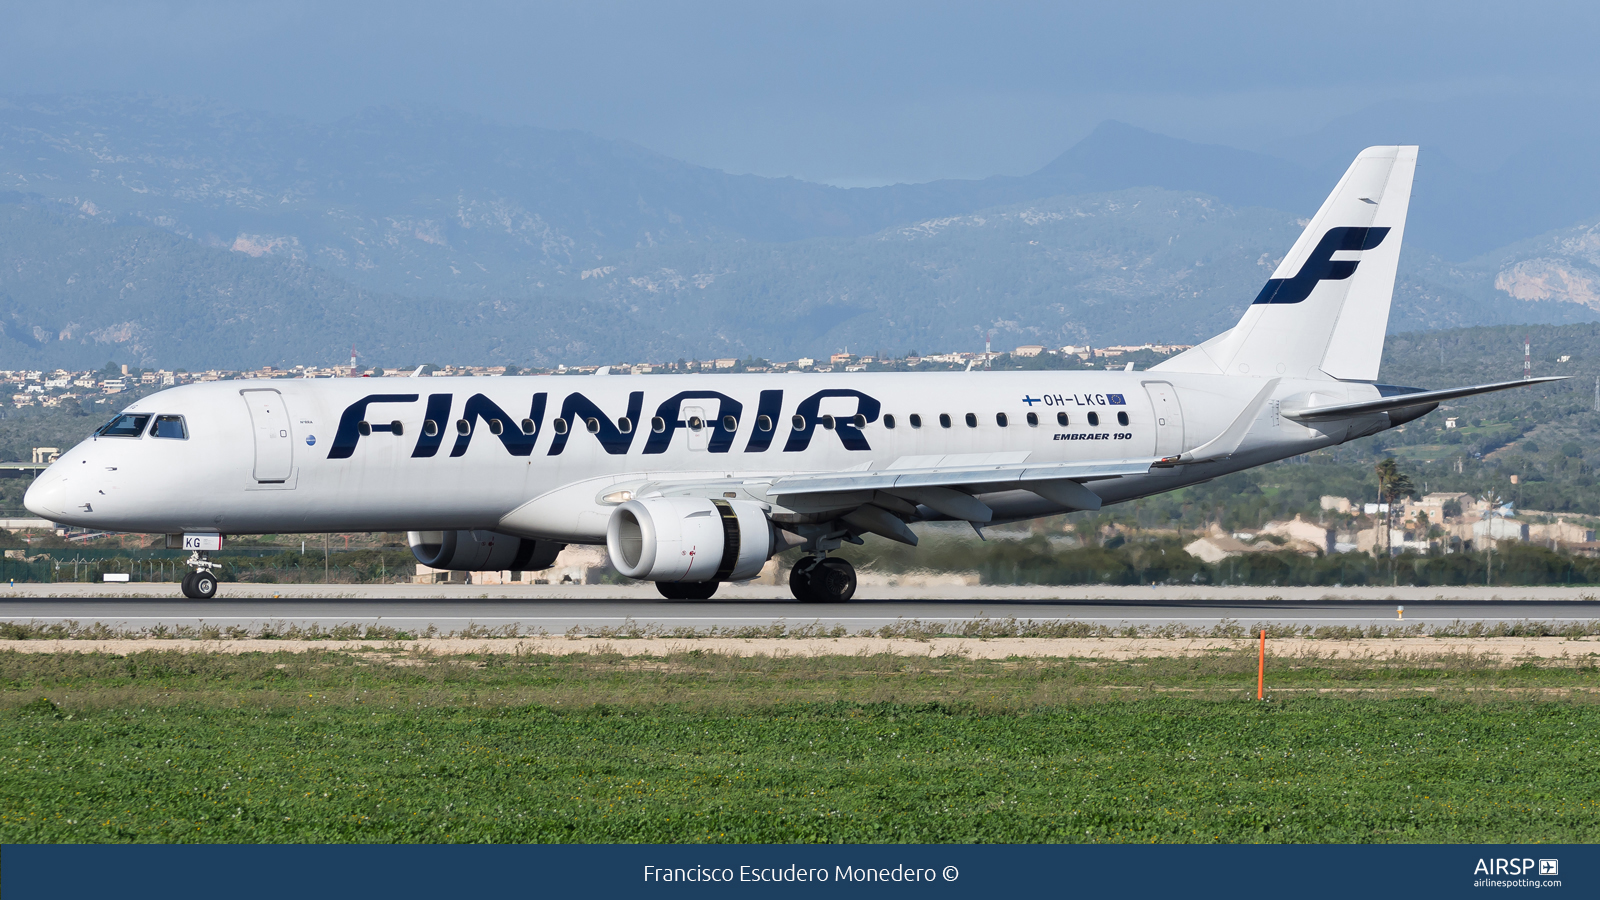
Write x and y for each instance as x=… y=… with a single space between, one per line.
x=323 y=455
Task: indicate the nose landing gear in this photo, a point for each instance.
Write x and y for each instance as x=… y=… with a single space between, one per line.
x=822 y=579
x=201 y=584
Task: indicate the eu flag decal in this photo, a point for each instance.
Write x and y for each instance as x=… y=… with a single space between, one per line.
x=1115 y=400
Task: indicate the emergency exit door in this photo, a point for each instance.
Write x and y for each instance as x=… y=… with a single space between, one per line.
x=273 y=436
x=1169 y=418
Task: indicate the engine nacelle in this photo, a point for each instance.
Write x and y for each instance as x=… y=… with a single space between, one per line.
x=481 y=551
x=689 y=539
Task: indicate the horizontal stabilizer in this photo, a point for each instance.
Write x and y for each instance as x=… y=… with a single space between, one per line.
x=1405 y=401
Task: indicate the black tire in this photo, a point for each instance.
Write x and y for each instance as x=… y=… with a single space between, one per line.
x=833 y=581
x=687 y=590
x=800 y=579
x=205 y=585
x=188 y=585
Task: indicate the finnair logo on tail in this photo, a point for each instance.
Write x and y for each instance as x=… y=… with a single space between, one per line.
x=1321 y=266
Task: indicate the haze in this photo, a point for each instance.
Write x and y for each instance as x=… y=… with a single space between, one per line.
x=854 y=94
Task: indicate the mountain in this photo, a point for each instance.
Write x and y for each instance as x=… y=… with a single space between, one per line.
x=426 y=202
x=162 y=232
x=1124 y=266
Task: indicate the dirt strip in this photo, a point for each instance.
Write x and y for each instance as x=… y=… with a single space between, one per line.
x=1498 y=649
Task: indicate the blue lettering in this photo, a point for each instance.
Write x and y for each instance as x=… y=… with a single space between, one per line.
x=511 y=436
x=578 y=408
x=849 y=435
x=439 y=413
x=771 y=405
x=344 y=442
x=669 y=411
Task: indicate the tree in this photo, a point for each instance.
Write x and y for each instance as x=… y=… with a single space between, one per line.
x=1392 y=485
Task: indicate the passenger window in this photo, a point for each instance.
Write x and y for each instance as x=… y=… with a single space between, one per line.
x=528 y=427
x=696 y=423
x=169 y=427
x=859 y=420
x=625 y=425
x=827 y=422
x=729 y=423
x=1061 y=419
x=1094 y=419
x=463 y=427
x=658 y=424
x=1001 y=420
x=888 y=421
x=496 y=426
x=430 y=428
x=364 y=428
x=1033 y=420
x=799 y=423
x=916 y=421
x=125 y=425
x=944 y=420
x=1122 y=418
x=764 y=423
x=592 y=424
x=972 y=420
x=560 y=425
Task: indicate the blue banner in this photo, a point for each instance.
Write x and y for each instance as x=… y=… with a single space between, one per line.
x=245 y=872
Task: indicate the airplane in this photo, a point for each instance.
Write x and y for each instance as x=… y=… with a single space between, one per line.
x=690 y=481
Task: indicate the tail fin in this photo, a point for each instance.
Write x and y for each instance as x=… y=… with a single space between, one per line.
x=1324 y=312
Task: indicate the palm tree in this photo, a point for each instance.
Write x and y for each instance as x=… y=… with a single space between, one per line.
x=1392 y=484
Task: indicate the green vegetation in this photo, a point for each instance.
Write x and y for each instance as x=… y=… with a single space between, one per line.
x=697 y=747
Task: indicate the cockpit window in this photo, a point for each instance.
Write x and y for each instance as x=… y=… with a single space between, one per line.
x=125 y=425
x=169 y=427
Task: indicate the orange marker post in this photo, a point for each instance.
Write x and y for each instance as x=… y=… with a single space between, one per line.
x=1261 y=668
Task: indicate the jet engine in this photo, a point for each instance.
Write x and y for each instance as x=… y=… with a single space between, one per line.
x=481 y=551
x=689 y=539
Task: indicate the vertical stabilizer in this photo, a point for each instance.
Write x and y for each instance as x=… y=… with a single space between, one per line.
x=1324 y=312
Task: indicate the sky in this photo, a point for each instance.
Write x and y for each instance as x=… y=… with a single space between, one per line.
x=857 y=93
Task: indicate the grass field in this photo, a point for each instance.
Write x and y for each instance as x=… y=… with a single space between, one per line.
x=329 y=746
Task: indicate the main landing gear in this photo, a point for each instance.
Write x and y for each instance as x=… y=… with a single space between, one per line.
x=201 y=584
x=822 y=579
x=687 y=590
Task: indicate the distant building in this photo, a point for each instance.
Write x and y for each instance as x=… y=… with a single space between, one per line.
x=1299 y=529
x=1337 y=504
x=1498 y=528
x=1028 y=350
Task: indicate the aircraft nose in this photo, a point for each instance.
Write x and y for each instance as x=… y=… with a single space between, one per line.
x=47 y=497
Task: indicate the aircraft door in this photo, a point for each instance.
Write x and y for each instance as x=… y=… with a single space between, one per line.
x=273 y=436
x=699 y=428
x=1169 y=418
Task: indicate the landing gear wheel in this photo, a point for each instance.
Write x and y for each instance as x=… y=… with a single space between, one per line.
x=829 y=580
x=687 y=590
x=199 y=585
x=800 y=578
x=205 y=585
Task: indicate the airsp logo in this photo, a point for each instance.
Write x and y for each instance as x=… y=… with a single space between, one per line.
x=1514 y=866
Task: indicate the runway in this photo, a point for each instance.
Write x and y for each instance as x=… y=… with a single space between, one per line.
x=567 y=610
